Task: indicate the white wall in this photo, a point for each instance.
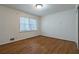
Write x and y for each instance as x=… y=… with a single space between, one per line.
x=61 y=25
x=9 y=25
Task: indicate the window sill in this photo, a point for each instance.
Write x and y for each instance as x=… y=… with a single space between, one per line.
x=28 y=31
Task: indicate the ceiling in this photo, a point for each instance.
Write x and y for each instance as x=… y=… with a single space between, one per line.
x=47 y=9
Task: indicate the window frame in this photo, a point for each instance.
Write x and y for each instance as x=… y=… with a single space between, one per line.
x=29 y=25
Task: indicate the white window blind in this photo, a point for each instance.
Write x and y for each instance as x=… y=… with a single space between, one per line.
x=27 y=24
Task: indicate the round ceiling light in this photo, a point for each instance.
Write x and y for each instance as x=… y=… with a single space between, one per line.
x=39 y=6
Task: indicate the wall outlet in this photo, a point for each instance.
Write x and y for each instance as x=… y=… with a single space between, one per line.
x=11 y=39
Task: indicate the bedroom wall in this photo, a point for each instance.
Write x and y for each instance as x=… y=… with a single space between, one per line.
x=9 y=25
x=63 y=25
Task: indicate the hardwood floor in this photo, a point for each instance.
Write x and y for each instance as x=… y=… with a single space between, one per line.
x=39 y=45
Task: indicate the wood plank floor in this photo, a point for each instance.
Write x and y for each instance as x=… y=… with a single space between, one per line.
x=39 y=45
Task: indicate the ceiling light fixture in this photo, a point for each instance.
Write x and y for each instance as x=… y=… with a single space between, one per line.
x=39 y=6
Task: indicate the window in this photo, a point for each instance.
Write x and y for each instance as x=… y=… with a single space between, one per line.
x=27 y=24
